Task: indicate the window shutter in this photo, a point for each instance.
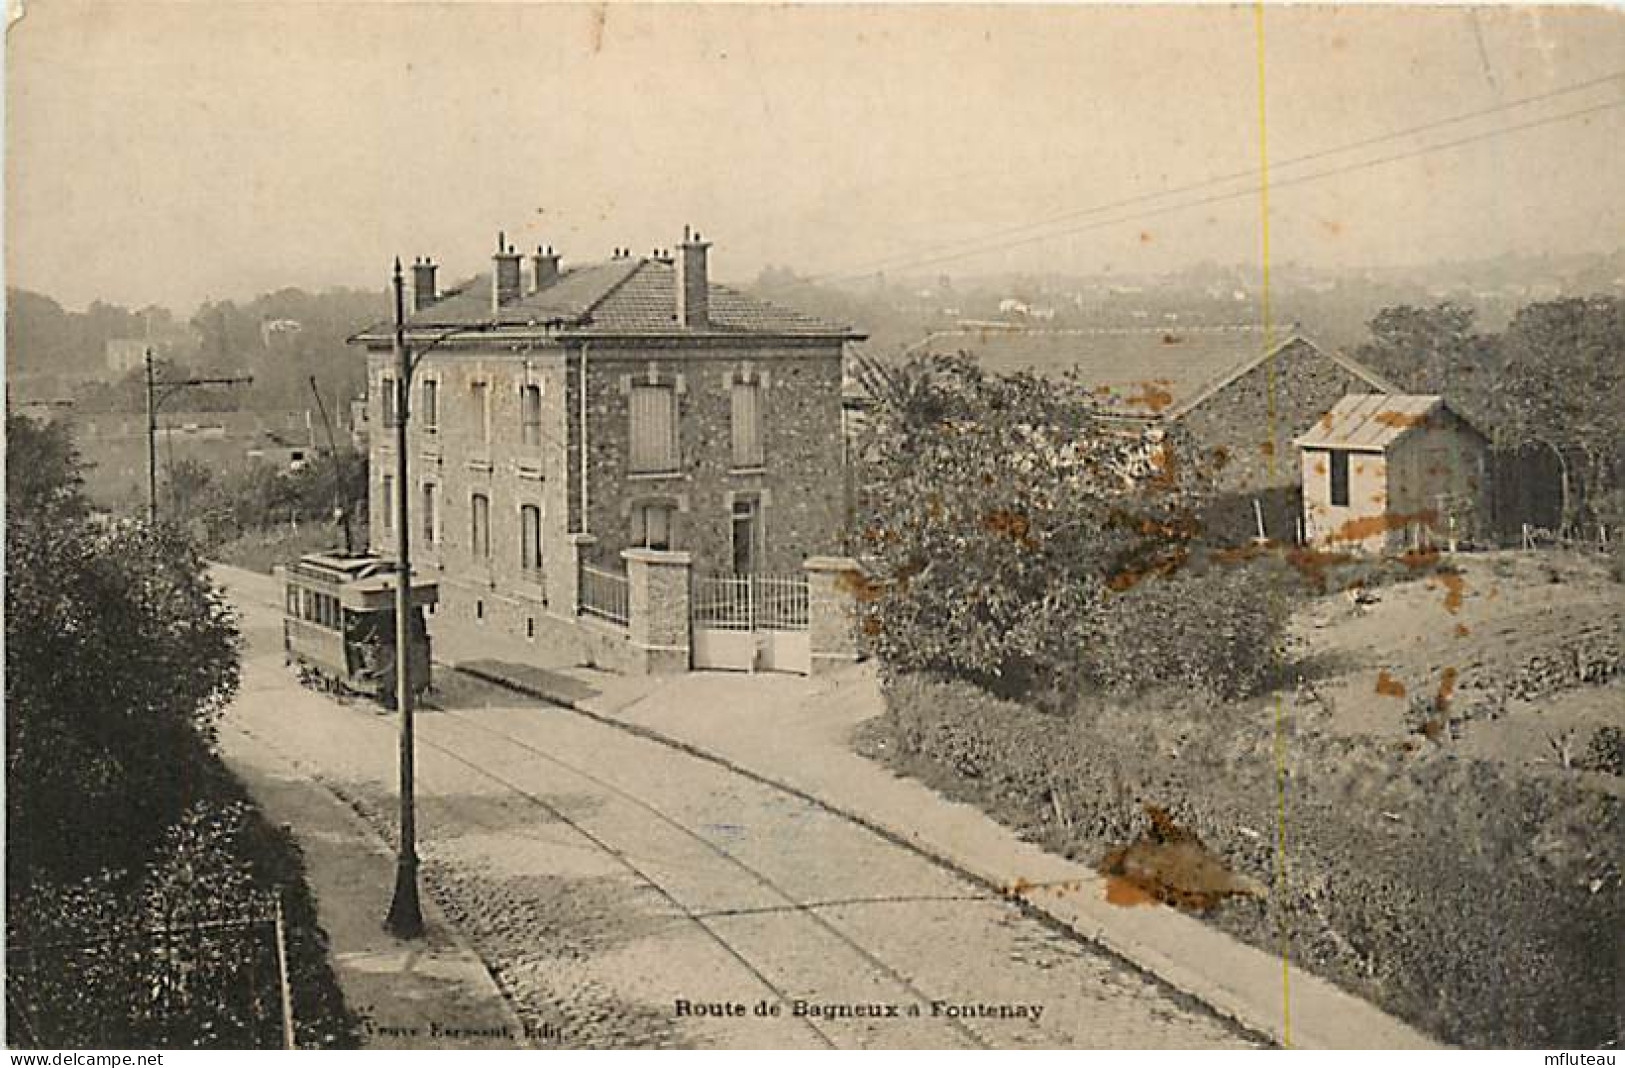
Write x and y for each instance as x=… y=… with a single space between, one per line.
x=654 y=429
x=747 y=425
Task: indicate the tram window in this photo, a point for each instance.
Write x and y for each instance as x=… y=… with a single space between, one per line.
x=307 y=606
x=293 y=602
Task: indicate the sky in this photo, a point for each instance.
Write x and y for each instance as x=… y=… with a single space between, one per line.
x=169 y=153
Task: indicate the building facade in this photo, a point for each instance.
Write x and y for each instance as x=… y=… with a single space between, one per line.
x=563 y=417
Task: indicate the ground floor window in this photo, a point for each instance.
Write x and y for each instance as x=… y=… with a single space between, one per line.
x=652 y=525
x=747 y=535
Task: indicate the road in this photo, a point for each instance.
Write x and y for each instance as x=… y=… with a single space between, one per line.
x=626 y=894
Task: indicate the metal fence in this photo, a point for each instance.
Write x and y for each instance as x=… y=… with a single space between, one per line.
x=604 y=595
x=216 y=983
x=750 y=602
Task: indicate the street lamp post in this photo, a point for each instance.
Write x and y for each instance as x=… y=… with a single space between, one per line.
x=405 y=919
x=157 y=393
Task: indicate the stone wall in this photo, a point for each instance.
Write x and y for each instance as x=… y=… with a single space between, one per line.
x=800 y=487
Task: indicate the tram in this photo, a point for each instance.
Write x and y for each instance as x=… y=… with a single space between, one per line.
x=338 y=624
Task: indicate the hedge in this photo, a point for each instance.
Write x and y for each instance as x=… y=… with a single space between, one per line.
x=1479 y=904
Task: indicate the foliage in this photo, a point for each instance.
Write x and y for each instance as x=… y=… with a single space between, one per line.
x=1436 y=350
x=1564 y=387
x=182 y=956
x=263 y=500
x=1472 y=900
x=119 y=656
x=1001 y=515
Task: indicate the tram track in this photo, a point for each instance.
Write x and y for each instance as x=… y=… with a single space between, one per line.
x=791 y=902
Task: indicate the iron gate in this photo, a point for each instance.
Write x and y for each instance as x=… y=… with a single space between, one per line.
x=751 y=623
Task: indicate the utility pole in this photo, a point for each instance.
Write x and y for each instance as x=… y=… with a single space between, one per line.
x=405 y=919
x=157 y=393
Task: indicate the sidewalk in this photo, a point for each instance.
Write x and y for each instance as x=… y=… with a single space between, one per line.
x=793 y=733
x=434 y=994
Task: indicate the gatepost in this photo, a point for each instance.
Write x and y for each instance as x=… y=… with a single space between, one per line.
x=834 y=584
x=657 y=610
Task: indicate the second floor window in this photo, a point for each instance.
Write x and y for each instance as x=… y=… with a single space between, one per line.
x=386 y=400
x=654 y=429
x=480 y=392
x=480 y=534
x=530 y=538
x=431 y=405
x=530 y=411
x=747 y=424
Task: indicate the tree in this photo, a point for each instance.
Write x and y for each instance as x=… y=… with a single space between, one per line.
x=1436 y=350
x=119 y=656
x=1564 y=388
x=1001 y=516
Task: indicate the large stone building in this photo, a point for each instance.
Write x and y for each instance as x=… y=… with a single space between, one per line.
x=568 y=422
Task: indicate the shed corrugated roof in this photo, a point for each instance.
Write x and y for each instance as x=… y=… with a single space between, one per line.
x=1371 y=421
x=1138 y=372
x=622 y=296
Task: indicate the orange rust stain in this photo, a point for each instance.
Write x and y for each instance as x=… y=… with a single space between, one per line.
x=1362 y=527
x=1447 y=688
x=1145 y=237
x=1267 y=448
x=1153 y=395
x=1221 y=456
x=1388 y=686
x=1326 y=421
x=1010 y=524
x=1119 y=891
x=1170 y=864
x=1320 y=467
x=1379 y=499
x=1332 y=227
x=1312 y=564
x=860 y=586
x=1453 y=585
x=871 y=627
x=1400 y=420
x=1462 y=630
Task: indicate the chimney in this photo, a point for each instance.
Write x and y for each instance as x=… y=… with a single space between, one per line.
x=423 y=291
x=544 y=265
x=693 y=288
x=505 y=274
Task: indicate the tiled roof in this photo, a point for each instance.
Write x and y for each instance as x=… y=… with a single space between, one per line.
x=622 y=296
x=1144 y=373
x=1374 y=421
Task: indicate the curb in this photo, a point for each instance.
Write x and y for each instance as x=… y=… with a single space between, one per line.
x=434 y=917
x=1187 y=983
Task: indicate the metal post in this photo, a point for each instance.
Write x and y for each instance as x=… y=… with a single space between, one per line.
x=405 y=919
x=283 y=984
x=152 y=444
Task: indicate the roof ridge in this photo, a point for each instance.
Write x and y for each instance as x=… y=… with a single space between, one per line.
x=1068 y=331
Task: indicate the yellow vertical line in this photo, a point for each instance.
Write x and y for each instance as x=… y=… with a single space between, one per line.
x=1271 y=467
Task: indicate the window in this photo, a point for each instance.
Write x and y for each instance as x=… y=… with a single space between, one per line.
x=1340 y=477
x=431 y=525
x=431 y=405
x=651 y=526
x=481 y=394
x=747 y=424
x=747 y=533
x=480 y=513
x=386 y=493
x=654 y=429
x=292 y=606
x=530 y=407
x=530 y=538
x=386 y=400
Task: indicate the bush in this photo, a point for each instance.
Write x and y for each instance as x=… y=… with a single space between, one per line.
x=1481 y=906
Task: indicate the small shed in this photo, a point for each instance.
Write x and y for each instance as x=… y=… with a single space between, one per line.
x=1387 y=471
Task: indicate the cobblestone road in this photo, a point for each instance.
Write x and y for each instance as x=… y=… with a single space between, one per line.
x=607 y=880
